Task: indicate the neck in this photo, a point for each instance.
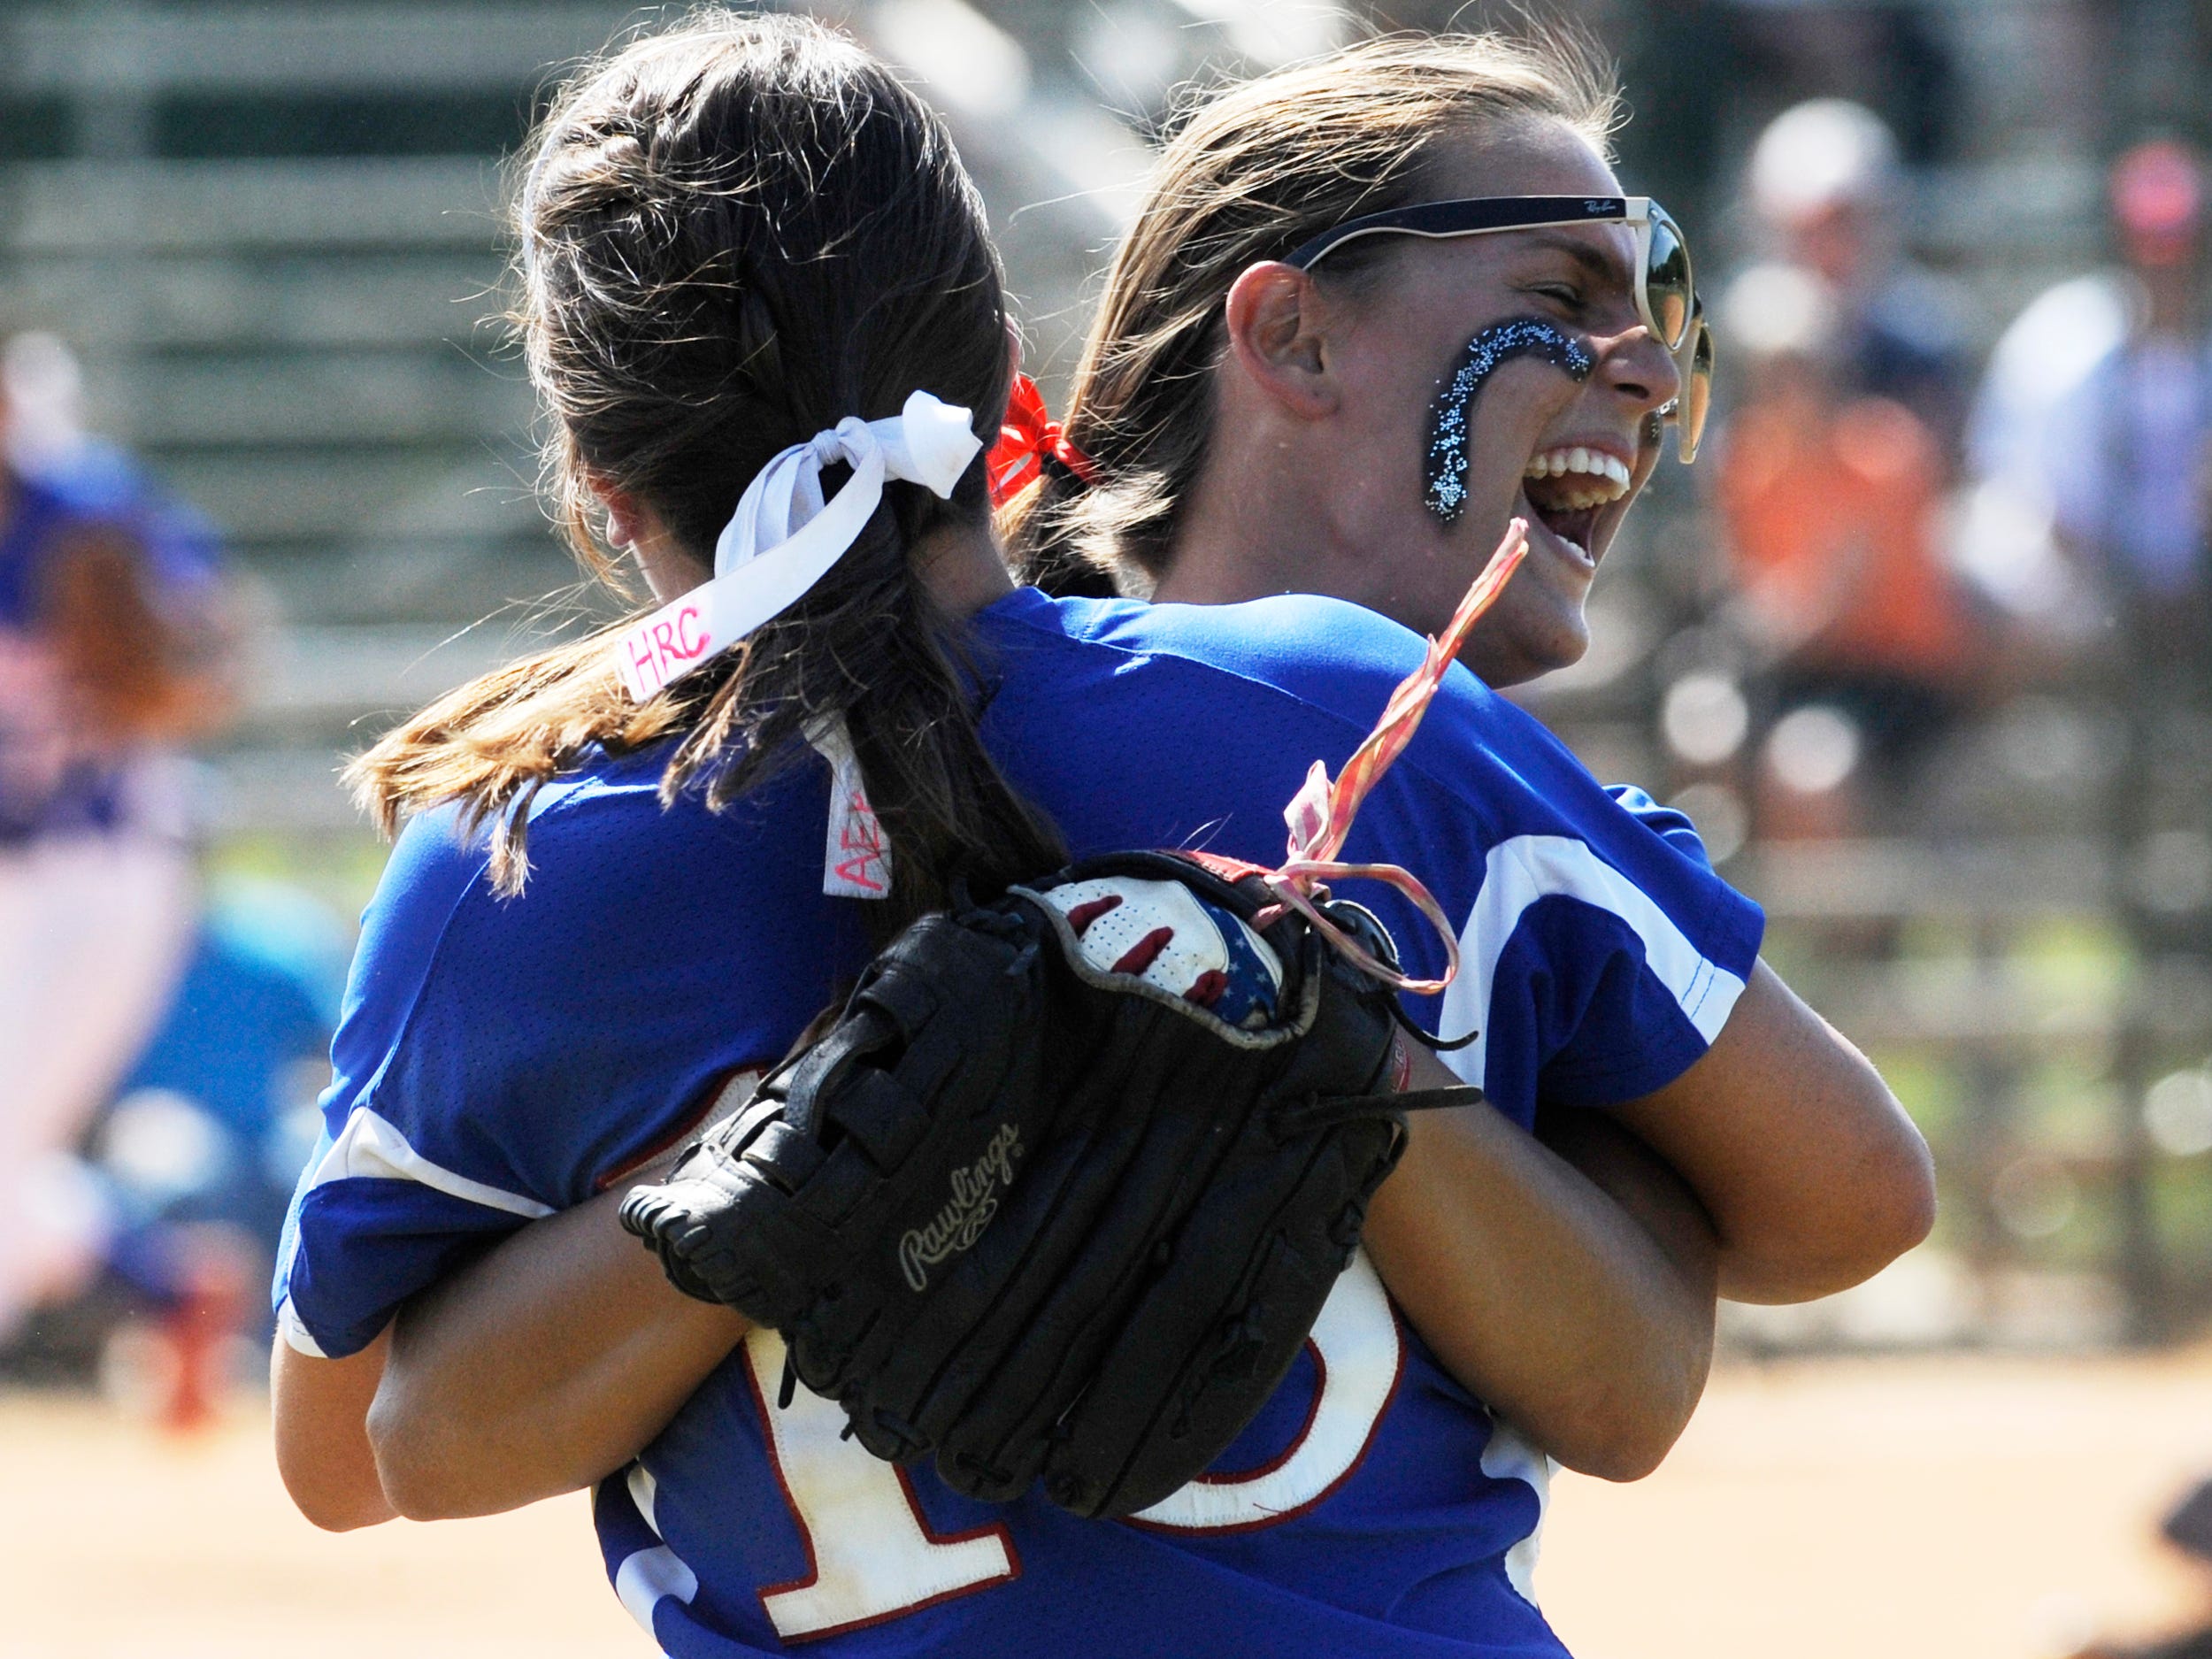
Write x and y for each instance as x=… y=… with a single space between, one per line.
x=961 y=568
x=1255 y=526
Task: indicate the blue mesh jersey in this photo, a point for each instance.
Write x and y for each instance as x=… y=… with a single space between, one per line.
x=500 y=1058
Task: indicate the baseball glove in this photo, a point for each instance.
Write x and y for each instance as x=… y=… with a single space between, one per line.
x=1063 y=1192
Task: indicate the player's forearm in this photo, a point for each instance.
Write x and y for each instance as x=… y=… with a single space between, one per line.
x=322 y=1448
x=539 y=1369
x=1814 y=1176
x=1587 y=1326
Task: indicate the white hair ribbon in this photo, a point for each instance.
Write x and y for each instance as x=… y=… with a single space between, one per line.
x=784 y=538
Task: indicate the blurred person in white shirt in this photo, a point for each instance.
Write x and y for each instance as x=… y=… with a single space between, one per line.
x=1827 y=187
x=2128 y=451
x=2090 y=443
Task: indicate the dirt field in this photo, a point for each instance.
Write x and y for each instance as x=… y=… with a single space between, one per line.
x=1965 y=1509
x=1954 y=1509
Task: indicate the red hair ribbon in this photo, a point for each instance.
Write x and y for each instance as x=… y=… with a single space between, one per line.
x=1320 y=816
x=1025 y=437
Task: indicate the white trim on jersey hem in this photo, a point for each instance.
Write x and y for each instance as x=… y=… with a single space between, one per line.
x=295 y=1334
x=645 y=1577
x=1524 y=869
x=1506 y=1456
x=371 y=1148
x=645 y=1493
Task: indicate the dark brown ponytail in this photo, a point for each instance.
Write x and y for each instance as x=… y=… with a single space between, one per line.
x=734 y=234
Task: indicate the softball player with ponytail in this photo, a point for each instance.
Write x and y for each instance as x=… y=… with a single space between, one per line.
x=750 y=256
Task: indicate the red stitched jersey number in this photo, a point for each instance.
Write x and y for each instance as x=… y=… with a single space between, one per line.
x=1357 y=1355
x=870 y=1551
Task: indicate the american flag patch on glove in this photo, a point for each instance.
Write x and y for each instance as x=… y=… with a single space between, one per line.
x=1162 y=933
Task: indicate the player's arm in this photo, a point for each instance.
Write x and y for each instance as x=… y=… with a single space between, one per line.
x=1814 y=1176
x=539 y=1367
x=559 y=1354
x=322 y=1447
x=1571 y=1289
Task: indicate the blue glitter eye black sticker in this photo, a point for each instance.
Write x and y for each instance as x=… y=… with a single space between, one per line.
x=1500 y=343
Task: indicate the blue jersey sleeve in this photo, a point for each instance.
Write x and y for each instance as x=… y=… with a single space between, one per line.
x=1599 y=955
x=1671 y=824
x=1599 y=952
x=502 y=1057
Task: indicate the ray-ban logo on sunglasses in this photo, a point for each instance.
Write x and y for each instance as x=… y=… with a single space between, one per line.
x=975 y=1196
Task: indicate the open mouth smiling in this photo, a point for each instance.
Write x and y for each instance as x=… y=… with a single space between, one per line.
x=1568 y=489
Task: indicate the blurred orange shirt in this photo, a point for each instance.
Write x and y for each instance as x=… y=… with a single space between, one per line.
x=1829 y=519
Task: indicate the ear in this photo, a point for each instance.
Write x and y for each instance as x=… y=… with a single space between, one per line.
x=1274 y=319
x=1013 y=348
x=626 y=515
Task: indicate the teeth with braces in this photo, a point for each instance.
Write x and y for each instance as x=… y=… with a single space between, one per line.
x=1608 y=476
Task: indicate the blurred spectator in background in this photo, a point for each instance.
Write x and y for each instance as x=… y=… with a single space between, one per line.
x=113 y=651
x=2007 y=545
x=1828 y=499
x=1825 y=185
x=2088 y=440
x=47 y=442
x=2127 y=451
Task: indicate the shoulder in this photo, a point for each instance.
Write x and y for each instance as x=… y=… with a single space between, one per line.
x=588 y=831
x=652 y=948
x=1221 y=709
x=1327 y=654
x=630 y=905
x=616 y=873
x=1670 y=824
x=434 y=865
x=1301 y=675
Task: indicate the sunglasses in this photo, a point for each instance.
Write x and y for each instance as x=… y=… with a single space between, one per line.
x=1666 y=292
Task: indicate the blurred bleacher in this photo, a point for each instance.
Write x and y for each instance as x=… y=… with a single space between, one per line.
x=273 y=232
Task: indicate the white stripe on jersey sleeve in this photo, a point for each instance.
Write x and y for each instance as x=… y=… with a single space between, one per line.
x=1524 y=869
x=370 y=1147
x=645 y=1492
